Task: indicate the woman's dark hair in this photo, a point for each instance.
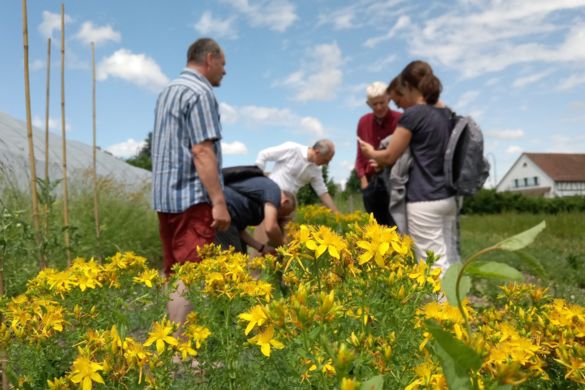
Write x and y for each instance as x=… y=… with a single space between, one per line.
x=396 y=85
x=419 y=75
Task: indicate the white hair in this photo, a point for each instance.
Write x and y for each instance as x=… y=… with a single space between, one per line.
x=377 y=88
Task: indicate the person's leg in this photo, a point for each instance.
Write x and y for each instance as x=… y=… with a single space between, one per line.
x=187 y=232
x=380 y=205
x=426 y=226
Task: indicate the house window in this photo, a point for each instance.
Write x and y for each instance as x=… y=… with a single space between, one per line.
x=525 y=182
x=536 y=180
x=516 y=184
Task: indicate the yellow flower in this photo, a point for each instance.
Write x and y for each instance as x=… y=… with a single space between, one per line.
x=58 y=384
x=146 y=277
x=256 y=316
x=326 y=240
x=349 y=384
x=265 y=340
x=161 y=335
x=85 y=372
x=186 y=350
x=198 y=334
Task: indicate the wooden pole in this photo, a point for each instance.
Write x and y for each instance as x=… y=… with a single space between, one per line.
x=31 y=150
x=95 y=183
x=47 y=110
x=47 y=99
x=64 y=142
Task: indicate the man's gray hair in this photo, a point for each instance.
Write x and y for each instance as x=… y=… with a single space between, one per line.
x=292 y=197
x=376 y=89
x=324 y=146
x=200 y=48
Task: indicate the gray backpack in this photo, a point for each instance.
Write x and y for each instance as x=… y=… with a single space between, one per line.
x=466 y=168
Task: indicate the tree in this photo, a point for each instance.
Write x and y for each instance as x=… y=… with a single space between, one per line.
x=307 y=195
x=143 y=159
x=353 y=183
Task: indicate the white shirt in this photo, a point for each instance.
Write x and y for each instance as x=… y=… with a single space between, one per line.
x=291 y=169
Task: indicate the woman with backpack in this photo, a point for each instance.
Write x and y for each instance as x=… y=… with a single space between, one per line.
x=424 y=128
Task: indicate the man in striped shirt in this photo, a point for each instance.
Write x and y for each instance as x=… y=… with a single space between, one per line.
x=186 y=162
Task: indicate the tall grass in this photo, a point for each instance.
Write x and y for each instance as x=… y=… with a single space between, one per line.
x=560 y=248
x=127 y=223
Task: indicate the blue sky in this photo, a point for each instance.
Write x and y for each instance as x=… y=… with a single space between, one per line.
x=297 y=71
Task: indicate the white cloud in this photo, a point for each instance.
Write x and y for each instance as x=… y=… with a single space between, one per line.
x=514 y=150
x=381 y=64
x=572 y=81
x=312 y=125
x=466 y=99
x=506 y=133
x=530 y=79
x=126 y=149
x=89 y=33
x=362 y=13
x=277 y=15
x=493 y=35
x=52 y=22
x=37 y=64
x=319 y=75
x=138 y=69
x=54 y=124
x=566 y=144
x=402 y=23
x=210 y=26
x=270 y=117
x=232 y=148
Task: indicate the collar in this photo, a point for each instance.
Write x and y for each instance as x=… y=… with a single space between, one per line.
x=197 y=75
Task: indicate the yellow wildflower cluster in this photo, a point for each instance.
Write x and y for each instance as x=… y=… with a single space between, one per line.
x=517 y=337
x=83 y=275
x=344 y=304
x=223 y=274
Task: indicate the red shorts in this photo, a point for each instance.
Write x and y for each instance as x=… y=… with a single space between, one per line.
x=182 y=233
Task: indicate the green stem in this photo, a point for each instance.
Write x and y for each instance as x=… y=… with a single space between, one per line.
x=458 y=283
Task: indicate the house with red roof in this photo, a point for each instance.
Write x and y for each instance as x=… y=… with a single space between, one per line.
x=546 y=174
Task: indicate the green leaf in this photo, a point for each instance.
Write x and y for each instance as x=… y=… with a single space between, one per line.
x=374 y=383
x=521 y=240
x=456 y=358
x=493 y=270
x=448 y=284
x=532 y=263
x=497 y=386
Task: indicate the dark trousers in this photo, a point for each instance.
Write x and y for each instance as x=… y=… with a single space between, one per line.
x=377 y=200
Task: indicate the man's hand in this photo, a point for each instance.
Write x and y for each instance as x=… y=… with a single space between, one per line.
x=221 y=217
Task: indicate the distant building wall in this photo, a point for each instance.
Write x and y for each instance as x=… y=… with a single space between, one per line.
x=527 y=177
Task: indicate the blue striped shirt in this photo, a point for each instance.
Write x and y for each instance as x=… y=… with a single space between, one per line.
x=187 y=113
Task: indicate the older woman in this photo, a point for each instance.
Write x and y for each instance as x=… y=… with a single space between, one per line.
x=424 y=127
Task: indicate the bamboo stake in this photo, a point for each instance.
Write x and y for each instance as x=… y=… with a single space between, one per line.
x=47 y=134
x=31 y=151
x=47 y=110
x=64 y=142
x=95 y=184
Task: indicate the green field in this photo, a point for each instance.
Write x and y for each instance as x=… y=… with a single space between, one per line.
x=128 y=223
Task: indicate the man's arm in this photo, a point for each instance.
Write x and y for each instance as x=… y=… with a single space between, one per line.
x=328 y=201
x=271 y=226
x=206 y=165
x=274 y=153
x=257 y=245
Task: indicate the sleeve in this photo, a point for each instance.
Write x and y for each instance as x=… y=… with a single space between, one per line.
x=203 y=122
x=411 y=119
x=318 y=183
x=274 y=153
x=361 y=162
